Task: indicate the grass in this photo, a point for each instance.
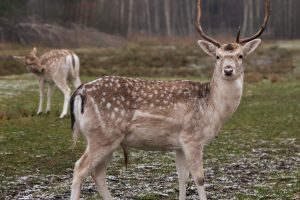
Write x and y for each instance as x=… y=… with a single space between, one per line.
x=266 y=123
x=178 y=59
x=256 y=155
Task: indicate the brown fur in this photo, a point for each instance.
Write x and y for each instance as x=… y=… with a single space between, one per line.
x=231 y=47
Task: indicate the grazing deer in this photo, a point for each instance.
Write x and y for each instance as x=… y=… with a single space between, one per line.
x=55 y=67
x=181 y=116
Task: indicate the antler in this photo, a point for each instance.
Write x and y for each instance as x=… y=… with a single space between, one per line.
x=262 y=29
x=199 y=27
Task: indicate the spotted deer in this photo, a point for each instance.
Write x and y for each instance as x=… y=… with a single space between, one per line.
x=180 y=116
x=55 y=67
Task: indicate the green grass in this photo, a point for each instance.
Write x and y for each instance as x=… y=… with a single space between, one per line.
x=179 y=59
x=256 y=155
x=264 y=132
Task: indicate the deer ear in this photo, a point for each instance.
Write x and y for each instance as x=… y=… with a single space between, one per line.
x=207 y=47
x=34 y=51
x=249 y=47
x=20 y=59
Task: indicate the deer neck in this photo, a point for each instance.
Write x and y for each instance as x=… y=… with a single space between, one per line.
x=225 y=97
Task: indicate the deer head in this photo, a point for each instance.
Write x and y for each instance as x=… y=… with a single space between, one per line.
x=31 y=62
x=229 y=64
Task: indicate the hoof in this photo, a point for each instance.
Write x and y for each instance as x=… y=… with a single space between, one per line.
x=39 y=113
x=62 y=116
x=47 y=112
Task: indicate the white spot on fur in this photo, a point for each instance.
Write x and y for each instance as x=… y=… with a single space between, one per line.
x=139 y=113
x=112 y=116
x=96 y=109
x=108 y=105
x=123 y=112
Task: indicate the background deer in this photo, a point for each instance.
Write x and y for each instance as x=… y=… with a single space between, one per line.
x=55 y=67
x=181 y=116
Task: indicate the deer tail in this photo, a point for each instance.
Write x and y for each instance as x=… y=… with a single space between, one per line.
x=77 y=103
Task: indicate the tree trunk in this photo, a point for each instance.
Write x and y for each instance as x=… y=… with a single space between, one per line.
x=189 y=19
x=130 y=18
x=156 y=16
x=148 y=17
x=246 y=19
x=167 y=9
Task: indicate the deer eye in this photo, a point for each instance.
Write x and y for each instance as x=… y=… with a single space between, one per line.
x=218 y=57
x=240 y=56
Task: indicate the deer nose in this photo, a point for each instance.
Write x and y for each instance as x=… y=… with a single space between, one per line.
x=228 y=71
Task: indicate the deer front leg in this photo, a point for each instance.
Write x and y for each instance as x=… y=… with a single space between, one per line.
x=51 y=88
x=41 y=89
x=183 y=173
x=193 y=154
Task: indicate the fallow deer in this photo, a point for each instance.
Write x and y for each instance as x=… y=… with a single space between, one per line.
x=55 y=67
x=181 y=116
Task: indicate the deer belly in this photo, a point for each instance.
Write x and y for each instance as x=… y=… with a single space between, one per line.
x=151 y=137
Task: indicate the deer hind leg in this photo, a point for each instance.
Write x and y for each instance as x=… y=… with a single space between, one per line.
x=76 y=81
x=81 y=170
x=99 y=176
x=74 y=65
x=62 y=85
x=183 y=173
x=195 y=164
x=88 y=164
x=41 y=89
x=51 y=88
x=95 y=161
x=101 y=154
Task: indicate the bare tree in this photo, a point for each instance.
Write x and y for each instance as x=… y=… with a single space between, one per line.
x=156 y=17
x=130 y=18
x=167 y=11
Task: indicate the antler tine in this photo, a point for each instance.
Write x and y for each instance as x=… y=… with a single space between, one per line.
x=238 y=35
x=263 y=27
x=199 y=27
